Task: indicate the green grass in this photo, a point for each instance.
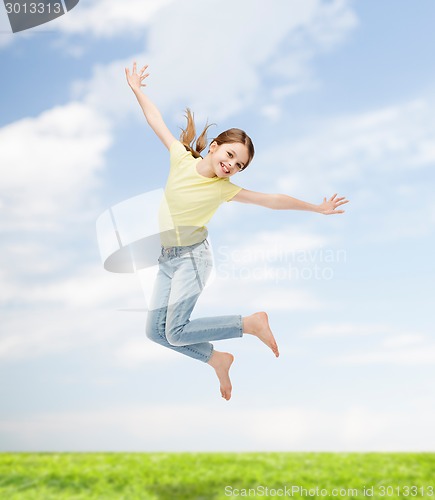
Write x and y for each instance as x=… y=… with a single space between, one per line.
x=194 y=476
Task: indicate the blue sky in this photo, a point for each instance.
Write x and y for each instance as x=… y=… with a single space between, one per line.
x=338 y=96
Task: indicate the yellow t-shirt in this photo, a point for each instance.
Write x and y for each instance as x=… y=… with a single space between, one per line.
x=190 y=199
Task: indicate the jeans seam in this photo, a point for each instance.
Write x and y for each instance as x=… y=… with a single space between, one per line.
x=196 y=271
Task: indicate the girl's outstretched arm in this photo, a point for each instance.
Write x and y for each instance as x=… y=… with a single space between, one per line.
x=284 y=202
x=152 y=114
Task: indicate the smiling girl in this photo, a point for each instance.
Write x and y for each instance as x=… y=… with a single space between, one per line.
x=195 y=188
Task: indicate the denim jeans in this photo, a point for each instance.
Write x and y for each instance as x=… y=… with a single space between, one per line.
x=183 y=272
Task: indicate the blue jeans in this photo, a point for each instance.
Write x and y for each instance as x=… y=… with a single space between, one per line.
x=183 y=272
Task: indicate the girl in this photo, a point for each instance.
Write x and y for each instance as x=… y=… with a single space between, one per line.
x=195 y=188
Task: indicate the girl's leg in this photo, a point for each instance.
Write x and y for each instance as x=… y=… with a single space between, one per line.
x=156 y=320
x=191 y=272
x=155 y=329
x=178 y=286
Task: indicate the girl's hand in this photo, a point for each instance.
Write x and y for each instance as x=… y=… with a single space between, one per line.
x=134 y=79
x=328 y=207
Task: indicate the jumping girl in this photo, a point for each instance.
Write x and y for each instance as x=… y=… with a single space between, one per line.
x=195 y=188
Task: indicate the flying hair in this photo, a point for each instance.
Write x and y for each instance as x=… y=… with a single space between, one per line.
x=188 y=136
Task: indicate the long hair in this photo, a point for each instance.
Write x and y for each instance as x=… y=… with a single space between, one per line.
x=188 y=136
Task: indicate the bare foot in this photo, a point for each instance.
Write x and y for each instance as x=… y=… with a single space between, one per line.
x=258 y=324
x=221 y=362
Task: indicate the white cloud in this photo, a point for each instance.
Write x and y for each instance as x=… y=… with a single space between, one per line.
x=238 y=60
x=378 y=143
x=392 y=347
x=151 y=428
x=318 y=26
x=109 y=18
x=403 y=340
x=348 y=330
x=344 y=149
x=410 y=217
x=365 y=157
x=48 y=330
x=49 y=164
x=272 y=112
x=137 y=351
x=108 y=92
x=50 y=168
x=50 y=173
x=67 y=309
x=89 y=286
x=406 y=356
x=221 y=66
x=99 y=19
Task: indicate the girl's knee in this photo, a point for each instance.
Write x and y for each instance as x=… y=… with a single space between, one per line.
x=173 y=341
x=173 y=337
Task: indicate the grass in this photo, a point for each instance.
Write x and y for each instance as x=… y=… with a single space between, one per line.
x=195 y=476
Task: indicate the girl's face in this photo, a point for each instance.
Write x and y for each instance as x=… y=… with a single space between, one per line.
x=228 y=159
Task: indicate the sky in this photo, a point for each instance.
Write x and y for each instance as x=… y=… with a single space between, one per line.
x=338 y=97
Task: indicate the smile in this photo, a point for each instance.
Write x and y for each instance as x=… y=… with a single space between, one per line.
x=225 y=169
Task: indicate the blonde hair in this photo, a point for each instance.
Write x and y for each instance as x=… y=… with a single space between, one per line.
x=188 y=136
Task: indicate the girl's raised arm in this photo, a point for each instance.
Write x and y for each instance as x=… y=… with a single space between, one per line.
x=152 y=114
